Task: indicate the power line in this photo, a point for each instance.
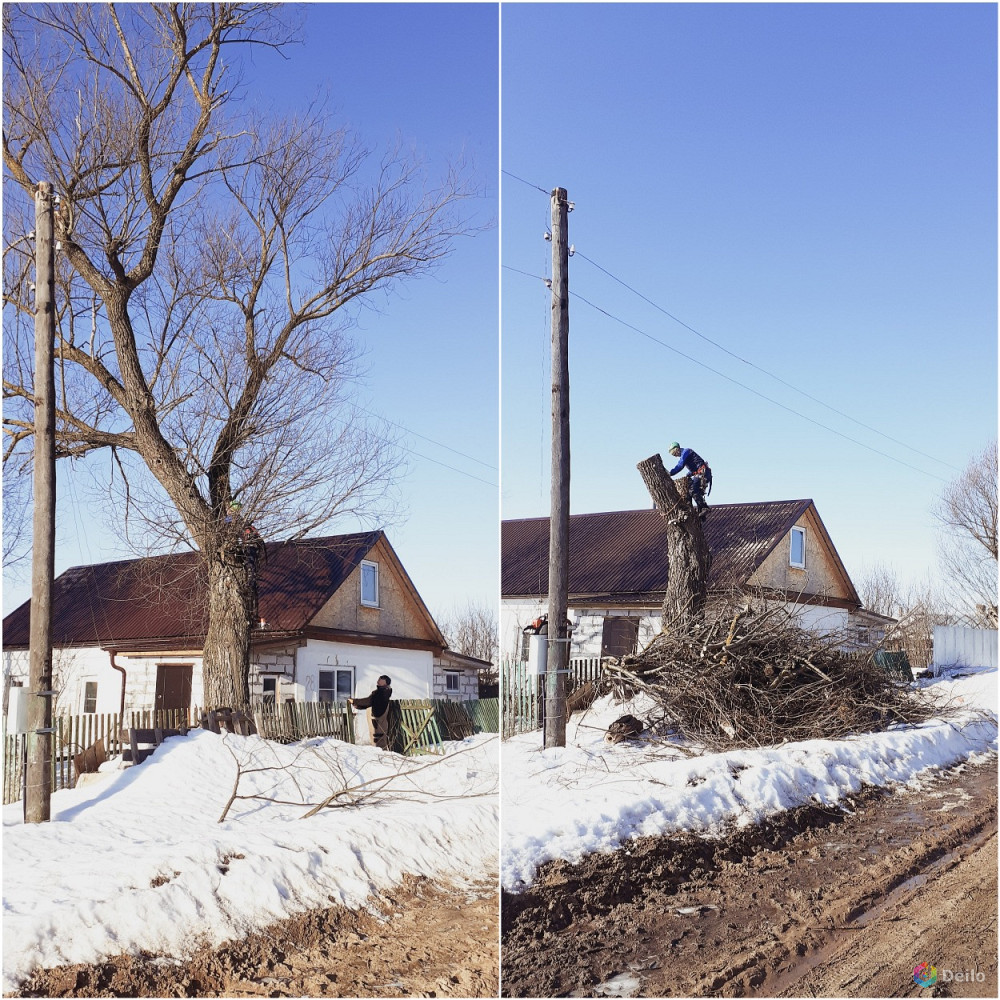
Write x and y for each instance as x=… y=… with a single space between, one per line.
x=748 y=388
x=729 y=378
x=745 y=361
x=453 y=469
x=523 y=181
x=440 y=444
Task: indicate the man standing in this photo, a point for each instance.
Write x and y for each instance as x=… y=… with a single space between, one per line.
x=378 y=702
x=700 y=475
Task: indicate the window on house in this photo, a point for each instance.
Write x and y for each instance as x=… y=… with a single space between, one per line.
x=336 y=685
x=452 y=681
x=621 y=636
x=369 y=584
x=90 y=696
x=270 y=685
x=797 y=548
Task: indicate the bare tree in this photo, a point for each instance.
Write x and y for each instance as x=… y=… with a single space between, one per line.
x=688 y=556
x=473 y=630
x=880 y=590
x=211 y=264
x=967 y=511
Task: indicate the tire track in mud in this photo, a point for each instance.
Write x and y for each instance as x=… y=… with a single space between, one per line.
x=772 y=908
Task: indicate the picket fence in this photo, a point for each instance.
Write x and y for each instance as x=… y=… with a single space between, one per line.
x=522 y=693
x=283 y=723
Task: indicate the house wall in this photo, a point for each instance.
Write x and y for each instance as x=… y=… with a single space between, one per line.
x=398 y=612
x=411 y=670
x=468 y=682
x=821 y=575
x=588 y=627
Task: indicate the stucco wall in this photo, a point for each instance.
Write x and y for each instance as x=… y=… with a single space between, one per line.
x=821 y=575
x=411 y=670
x=397 y=614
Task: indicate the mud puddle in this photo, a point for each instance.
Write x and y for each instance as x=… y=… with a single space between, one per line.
x=797 y=905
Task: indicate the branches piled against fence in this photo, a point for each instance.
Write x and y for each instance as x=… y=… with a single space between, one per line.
x=747 y=674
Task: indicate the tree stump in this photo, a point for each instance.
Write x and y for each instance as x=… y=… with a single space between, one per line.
x=688 y=556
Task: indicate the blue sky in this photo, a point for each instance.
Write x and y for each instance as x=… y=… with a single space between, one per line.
x=426 y=74
x=810 y=186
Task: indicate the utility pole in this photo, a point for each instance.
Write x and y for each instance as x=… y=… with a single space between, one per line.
x=557 y=660
x=38 y=783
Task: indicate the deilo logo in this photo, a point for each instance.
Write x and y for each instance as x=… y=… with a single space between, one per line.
x=926 y=974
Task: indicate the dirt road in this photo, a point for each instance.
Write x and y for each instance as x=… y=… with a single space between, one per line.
x=430 y=941
x=820 y=903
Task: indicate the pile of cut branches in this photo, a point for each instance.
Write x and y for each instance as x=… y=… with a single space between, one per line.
x=747 y=674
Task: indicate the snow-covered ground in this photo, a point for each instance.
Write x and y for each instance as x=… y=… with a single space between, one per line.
x=139 y=860
x=591 y=796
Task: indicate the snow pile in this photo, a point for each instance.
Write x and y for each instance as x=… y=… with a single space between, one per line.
x=592 y=796
x=140 y=861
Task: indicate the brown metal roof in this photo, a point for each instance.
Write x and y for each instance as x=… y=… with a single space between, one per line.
x=162 y=598
x=620 y=554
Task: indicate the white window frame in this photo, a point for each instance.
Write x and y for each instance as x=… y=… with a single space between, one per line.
x=86 y=684
x=791 y=547
x=366 y=565
x=335 y=670
x=456 y=676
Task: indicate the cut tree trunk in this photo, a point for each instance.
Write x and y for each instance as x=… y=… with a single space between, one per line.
x=688 y=555
x=232 y=603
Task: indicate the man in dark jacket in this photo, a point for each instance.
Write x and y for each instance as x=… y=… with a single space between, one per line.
x=378 y=702
x=700 y=475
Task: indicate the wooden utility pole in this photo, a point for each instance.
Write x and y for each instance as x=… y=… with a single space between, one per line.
x=38 y=782
x=557 y=660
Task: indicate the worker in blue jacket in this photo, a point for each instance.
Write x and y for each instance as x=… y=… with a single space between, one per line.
x=699 y=475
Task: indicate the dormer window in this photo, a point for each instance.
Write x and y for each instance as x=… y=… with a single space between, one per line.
x=797 y=548
x=369 y=584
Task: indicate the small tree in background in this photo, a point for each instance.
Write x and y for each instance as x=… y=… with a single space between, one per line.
x=473 y=631
x=967 y=513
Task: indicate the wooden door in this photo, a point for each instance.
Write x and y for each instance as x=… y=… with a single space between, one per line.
x=173 y=685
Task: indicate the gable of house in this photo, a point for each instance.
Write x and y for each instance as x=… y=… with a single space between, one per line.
x=397 y=611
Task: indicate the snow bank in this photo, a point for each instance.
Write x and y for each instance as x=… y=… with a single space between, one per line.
x=140 y=861
x=592 y=796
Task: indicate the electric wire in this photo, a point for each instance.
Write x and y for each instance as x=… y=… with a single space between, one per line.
x=523 y=181
x=729 y=378
x=746 y=361
x=440 y=444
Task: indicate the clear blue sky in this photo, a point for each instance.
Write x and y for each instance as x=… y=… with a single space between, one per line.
x=813 y=187
x=426 y=74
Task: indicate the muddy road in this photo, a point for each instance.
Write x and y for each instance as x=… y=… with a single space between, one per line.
x=819 y=903
x=426 y=940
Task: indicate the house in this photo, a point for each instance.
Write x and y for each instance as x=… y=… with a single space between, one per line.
x=618 y=573
x=336 y=612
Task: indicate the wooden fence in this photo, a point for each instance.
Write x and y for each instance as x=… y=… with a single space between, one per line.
x=283 y=723
x=522 y=693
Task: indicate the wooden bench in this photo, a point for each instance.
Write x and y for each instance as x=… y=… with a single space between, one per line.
x=143 y=742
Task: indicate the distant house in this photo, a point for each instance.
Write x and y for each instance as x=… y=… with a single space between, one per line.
x=336 y=613
x=618 y=573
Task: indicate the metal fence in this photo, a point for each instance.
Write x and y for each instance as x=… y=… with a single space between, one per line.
x=522 y=693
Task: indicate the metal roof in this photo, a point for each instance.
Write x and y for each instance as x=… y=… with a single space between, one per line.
x=621 y=554
x=162 y=597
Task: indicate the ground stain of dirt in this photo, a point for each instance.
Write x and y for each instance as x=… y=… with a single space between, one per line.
x=774 y=907
x=423 y=940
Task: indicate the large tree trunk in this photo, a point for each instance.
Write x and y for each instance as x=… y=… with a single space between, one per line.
x=688 y=555
x=232 y=609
